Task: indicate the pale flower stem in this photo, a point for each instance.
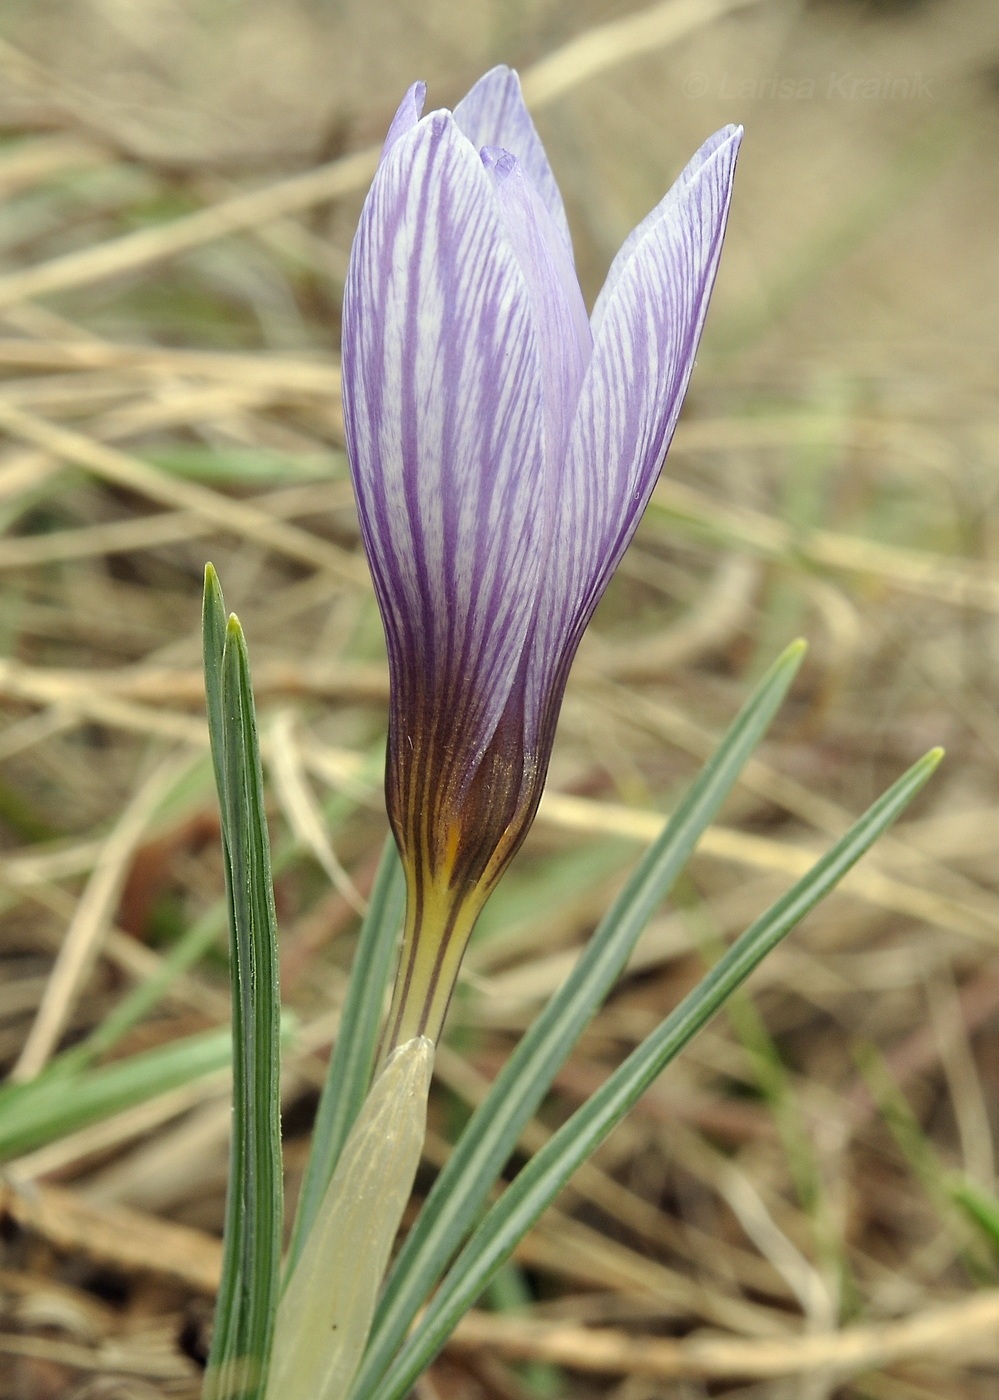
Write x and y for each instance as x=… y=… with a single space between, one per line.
x=325 y=1314
x=428 y=968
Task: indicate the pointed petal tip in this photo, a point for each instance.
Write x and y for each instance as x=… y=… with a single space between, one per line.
x=724 y=145
x=407 y=116
x=708 y=175
x=432 y=126
x=501 y=73
x=728 y=138
x=493 y=113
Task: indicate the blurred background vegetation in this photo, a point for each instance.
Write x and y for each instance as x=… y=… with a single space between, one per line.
x=810 y=1191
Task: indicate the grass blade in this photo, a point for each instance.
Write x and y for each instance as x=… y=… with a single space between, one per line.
x=227 y=1320
x=192 y=945
x=353 y=1060
x=53 y=1105
x=979 y=1205
x=463 y=1186
x=249 y=1289
x=547 y=1172
x=213 y=629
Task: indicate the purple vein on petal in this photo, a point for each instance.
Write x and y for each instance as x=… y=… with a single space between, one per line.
x=645 y=339
x=493 y=113
x=443 y=408
x=669 y=206
x=560 y=320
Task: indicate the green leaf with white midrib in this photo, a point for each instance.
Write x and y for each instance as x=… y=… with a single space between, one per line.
x=227 y=1328
x=353 y=1060
x=252 y=1242
x=258 y=973
x=463 y=1185
x=547 y=1172
x=213 y=633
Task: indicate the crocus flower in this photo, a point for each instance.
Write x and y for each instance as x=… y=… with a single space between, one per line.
x=503 y=447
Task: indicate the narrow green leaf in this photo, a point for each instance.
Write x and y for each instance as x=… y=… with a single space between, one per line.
x=548 y=1171
x=463 y=1185
x=353 y=1060
x=190 y=948
x=213 y=627
x=227 y=1320
x=53 y=1105
x=510 y=1291
x=980 y=1206
x=244 y=466
x=251 y=1257
x=956 y=1197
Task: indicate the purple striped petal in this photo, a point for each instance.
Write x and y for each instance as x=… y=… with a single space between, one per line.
x=671 y=205
x=444 y=414
x=560 y=320
x=646 y=332
x=493 y=114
